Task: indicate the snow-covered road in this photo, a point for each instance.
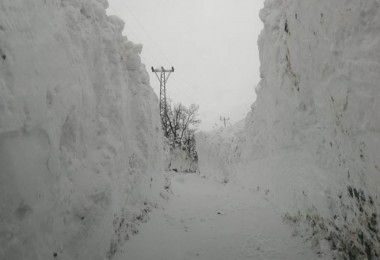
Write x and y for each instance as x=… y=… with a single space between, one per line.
x=208 y=220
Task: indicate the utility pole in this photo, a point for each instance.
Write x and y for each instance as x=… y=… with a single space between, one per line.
x=224 y=120
x=163 y=78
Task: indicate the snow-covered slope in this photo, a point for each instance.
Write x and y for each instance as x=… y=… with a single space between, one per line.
x=312 y=138
x=80 y=136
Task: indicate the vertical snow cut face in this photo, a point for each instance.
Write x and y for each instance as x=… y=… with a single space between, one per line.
x=319 y=99
x=80 y=136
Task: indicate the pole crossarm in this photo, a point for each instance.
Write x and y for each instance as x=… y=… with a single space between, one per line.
x=162 y=69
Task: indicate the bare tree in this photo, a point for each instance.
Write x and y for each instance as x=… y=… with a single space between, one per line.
x=182 y=122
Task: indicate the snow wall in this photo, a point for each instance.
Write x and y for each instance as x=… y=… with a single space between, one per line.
x=312 y=139
x=80 y=136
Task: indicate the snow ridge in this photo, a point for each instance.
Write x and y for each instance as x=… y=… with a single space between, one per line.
x=80 y=136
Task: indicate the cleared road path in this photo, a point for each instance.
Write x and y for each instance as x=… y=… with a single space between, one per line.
x=205 y=220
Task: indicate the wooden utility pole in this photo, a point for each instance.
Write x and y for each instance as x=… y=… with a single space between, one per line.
x=224 y=120
x=163 y=78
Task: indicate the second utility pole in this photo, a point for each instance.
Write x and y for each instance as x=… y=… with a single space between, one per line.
x=163 y=78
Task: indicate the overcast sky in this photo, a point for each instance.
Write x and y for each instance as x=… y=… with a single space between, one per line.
x=212 y=44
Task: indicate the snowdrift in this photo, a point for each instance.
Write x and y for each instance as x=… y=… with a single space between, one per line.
x=219 y=151
x=312 y=139
x=80 y=136
x=179 y=160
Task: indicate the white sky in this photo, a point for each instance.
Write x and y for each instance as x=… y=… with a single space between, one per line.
x=212 y=45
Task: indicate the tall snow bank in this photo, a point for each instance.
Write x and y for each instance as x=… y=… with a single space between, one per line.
x=317 y=116
x=80 y=136
x=311 y=142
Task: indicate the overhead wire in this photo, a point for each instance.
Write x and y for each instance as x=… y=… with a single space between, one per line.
x=155 y=43
x=158 y=48
x=134 y=35
x=146 y=31
x=145 y=48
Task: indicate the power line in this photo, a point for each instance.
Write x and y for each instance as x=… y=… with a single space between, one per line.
x=157 y=46
x=145 y=48
x=147 y=33
x=134 y=35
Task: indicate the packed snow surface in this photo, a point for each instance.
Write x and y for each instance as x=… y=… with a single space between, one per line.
x=80 y=138
x=207 y=220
